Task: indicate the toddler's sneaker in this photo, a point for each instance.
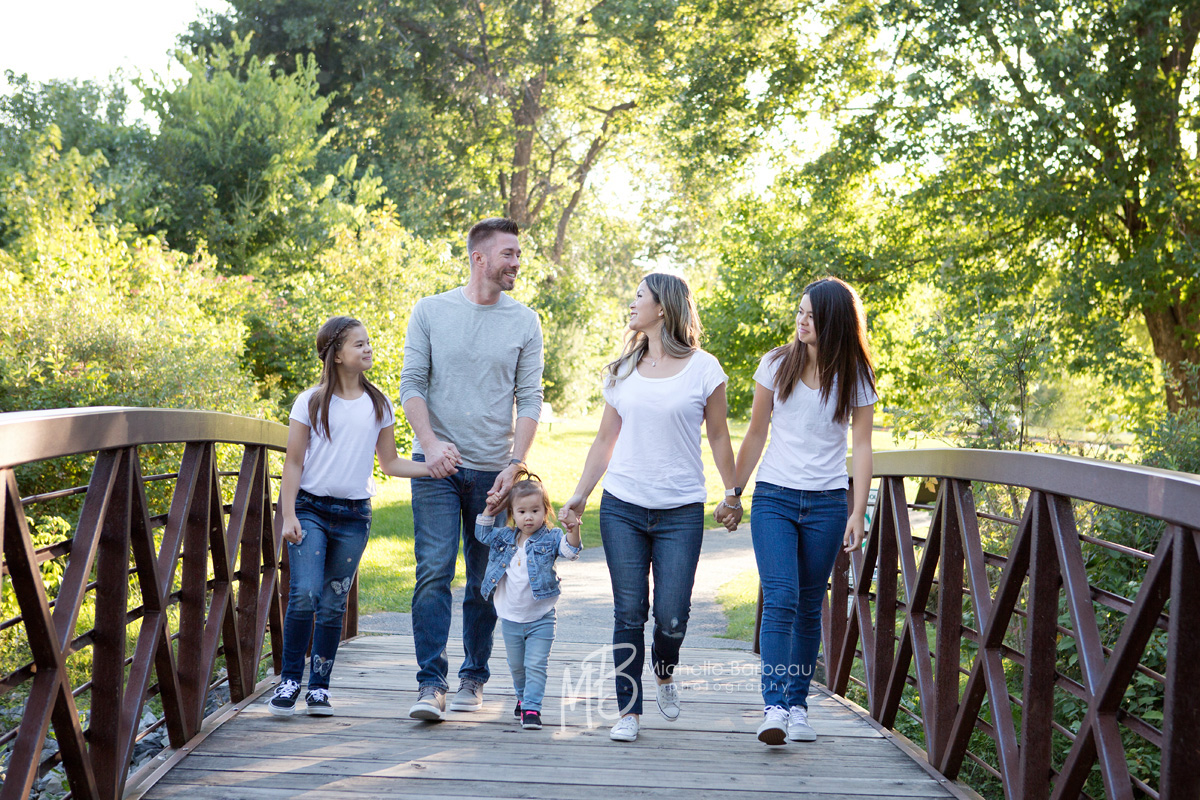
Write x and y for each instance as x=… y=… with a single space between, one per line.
x=318 y=704
x=531 y=720
x=798 y=728
x=667 y=697
x=430 y=705
x=626 y=729
x=283 y=703
x=469 y=696
x=773 y=729
x=517 y=710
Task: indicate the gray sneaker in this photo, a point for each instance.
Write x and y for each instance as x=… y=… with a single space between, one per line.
x=469 y=696
x=430 y=705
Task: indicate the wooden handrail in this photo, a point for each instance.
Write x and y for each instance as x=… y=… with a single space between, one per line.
x=196 y=607
x=1023 y=625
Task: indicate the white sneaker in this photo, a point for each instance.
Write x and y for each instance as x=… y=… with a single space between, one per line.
x=798 y=729
x=773 y=729
x=626 y=729
x=667 y=696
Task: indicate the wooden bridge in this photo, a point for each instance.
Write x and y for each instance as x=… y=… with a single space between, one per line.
x=1036 y=638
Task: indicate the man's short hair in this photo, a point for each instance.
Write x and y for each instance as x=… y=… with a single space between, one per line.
x=485 y=229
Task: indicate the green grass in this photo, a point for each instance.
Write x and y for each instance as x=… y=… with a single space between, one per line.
x=739 y=598
x=387 y=571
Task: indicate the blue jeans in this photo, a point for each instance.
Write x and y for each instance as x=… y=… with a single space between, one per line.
x=636 y=541
x=444 y=511
x=796 y=536
x=321 y=571
x=528 y=646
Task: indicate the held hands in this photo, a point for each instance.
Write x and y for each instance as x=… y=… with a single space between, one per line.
x=728 y=516
x=503 y=484
x=854 y=533
x=443 y=459
x=571 y=514
x=495 y=504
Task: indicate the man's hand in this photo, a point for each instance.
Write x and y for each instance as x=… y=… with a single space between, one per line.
x=495 y=504
x=443 y=459
x=504 y=482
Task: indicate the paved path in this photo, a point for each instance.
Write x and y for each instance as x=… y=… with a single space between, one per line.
x=585 y=608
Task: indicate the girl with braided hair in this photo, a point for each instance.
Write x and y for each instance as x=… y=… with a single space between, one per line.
x=337 y=427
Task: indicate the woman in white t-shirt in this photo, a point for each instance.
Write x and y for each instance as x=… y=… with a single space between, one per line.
x=337 y=428
x=658 y=393
x=807 y=392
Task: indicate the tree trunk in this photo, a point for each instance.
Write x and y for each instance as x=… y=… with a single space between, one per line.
x=1175 y=332
x=526 y=114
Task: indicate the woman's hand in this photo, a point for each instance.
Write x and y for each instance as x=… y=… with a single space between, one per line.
x=291 y=529
x=572 y=511
x=855 y=528
x=728 y=516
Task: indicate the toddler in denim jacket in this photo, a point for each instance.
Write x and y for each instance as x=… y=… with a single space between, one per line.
x=524 y=587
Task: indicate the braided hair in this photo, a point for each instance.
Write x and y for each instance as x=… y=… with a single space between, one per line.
x=330 y=339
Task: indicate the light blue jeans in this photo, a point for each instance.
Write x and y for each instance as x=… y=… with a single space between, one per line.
x=796 y=537
x=528 y=645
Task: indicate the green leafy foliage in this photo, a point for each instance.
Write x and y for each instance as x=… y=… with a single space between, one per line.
x=239 y=150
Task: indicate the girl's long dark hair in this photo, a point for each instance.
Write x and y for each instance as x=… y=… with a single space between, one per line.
x=330 y=339
x=842 y=350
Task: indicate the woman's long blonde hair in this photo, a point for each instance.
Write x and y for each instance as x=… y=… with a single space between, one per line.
x=681 y=329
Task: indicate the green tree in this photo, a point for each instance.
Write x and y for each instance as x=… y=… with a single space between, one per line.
x=1065 y=133
x=240 y=148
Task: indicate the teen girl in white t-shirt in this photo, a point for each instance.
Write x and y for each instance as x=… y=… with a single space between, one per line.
x=657 y=395
x=337 y=428
x=807 y=393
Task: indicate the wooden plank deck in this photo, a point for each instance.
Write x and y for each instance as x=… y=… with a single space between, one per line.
x=371 y=749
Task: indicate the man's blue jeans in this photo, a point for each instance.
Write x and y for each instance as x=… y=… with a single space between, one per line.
x=528 y=646
x=637 y=541
x=444 y=510
x=321 y=571
x=796 y=537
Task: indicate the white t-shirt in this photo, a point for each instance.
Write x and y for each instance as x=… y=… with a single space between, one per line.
x=342 y=465
x=808 y=448
x=513 y=596
x=656 y=460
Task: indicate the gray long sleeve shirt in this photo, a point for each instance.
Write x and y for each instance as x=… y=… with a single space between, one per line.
x=471 y=363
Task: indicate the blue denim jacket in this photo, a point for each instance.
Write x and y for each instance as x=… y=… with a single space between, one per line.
x=543 y=548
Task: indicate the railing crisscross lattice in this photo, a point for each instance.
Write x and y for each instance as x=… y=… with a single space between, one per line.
x=217 y=566
x=1000 y=624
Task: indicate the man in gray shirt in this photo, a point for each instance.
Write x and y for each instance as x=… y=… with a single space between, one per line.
x=471 y=354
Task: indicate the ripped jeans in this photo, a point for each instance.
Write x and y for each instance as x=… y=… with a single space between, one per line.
x=639 y=542
x=322 y=570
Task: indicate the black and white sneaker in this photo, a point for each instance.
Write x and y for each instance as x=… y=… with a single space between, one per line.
x=517 y=710
x=531 y=720
x=283 y=703
x=318 y=703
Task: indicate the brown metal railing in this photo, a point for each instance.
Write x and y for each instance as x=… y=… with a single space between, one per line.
x=998 y=634
x=191 y=584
